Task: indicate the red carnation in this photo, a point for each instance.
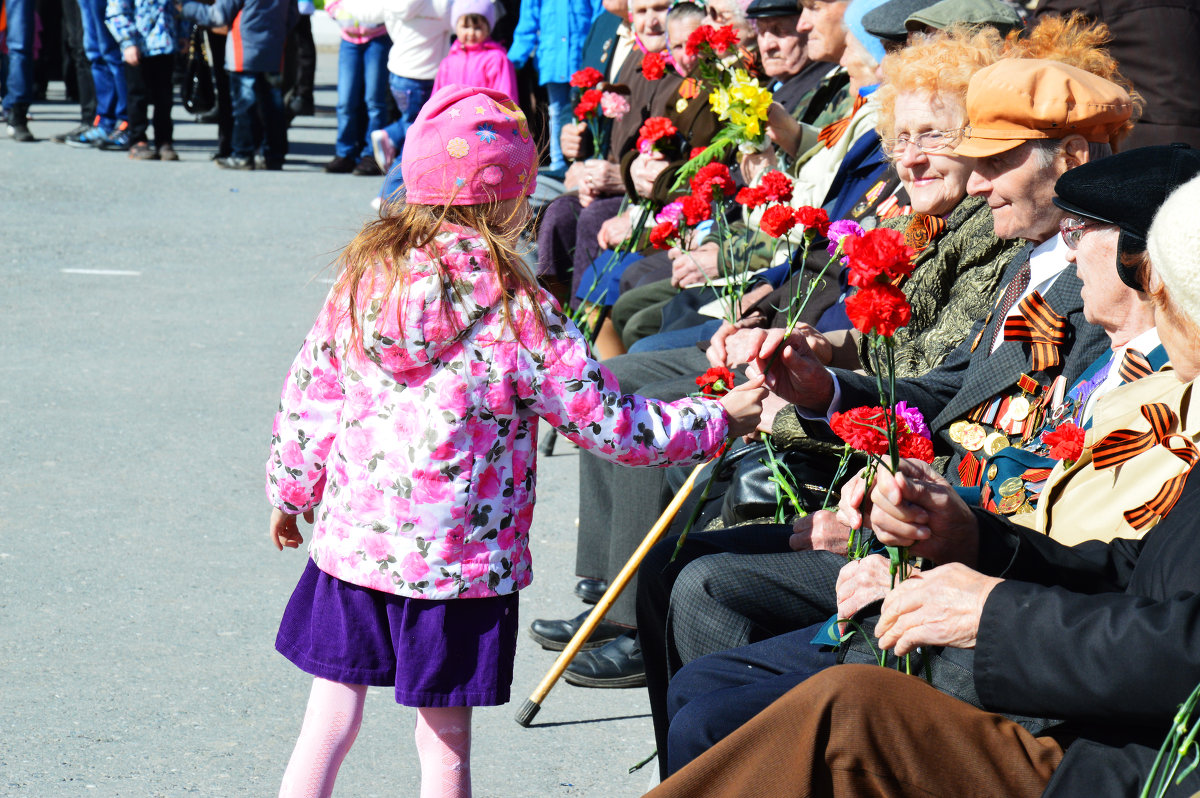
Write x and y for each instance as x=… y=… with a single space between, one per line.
x=751 y=197
x=717 y=381
x=917 y=447
x=587 y=103
x=879 y=307
x=586 y=78
x=777 y=186
x=655 y=128
x=698 y=39
x=778 y=220
x=811 y=218
x=661 y=235
x=877 y=253
x=864 y=428
x=695 y=210
x=1065 y=442
x=695 y=151
x=653 y=66
x=723 y=38
x=708 y=179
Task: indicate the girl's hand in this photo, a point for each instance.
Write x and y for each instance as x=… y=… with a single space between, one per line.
x=284 y=530
x=130 y=55
x=744 y=406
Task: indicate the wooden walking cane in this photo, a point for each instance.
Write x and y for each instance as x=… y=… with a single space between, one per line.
x=527 y=712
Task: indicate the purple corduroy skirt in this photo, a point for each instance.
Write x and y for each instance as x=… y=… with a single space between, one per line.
x=452 y=653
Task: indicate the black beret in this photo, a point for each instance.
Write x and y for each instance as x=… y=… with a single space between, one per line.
x=887 y=21
x=1126 y=190
x=773 y=8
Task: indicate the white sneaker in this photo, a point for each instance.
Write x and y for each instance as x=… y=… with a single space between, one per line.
x=383 y=149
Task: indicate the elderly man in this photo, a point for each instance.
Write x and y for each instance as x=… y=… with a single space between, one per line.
x=1110 y=205
x=1028 y=110
x=1102 y=637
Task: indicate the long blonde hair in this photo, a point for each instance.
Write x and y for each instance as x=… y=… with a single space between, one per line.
x=374 y=262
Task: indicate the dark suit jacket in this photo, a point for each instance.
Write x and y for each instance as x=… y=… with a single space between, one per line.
x=600 y=44
x=1104 y=635
x=1156 y=44
x=966 y=379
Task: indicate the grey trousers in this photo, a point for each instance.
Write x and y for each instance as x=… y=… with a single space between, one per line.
x=618 y=504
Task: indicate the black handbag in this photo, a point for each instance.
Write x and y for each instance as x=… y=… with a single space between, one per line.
x=751 y=494
x=198 y=92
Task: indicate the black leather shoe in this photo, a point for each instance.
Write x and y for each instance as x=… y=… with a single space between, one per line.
x=554 y=635
x=590 y=590
x=617 y=664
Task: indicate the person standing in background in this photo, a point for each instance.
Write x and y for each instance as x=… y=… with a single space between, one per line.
x=362 y=93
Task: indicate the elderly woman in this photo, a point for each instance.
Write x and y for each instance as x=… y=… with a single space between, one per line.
x=1100 y=636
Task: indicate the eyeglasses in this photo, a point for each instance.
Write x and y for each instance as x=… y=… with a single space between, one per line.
x=927 y=142
x=1071 y=230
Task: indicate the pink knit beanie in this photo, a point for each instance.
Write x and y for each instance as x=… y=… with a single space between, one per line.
x=468 y=146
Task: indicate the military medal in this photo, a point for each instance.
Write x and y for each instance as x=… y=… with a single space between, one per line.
x=993 y=470
x=1010 y=504
x=973 y=437
x=681 y=105
x=1011 y=486
x=1018 y=409
x=994 y=443
x=957 y=430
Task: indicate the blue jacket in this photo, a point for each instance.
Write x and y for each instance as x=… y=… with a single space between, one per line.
x=556 y=30
x=153 y=26
x=257 y=30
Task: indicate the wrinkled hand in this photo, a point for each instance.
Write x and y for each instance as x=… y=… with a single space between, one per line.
x=918 y=508
x=798 y=374
x=614 y=231
x=771 y=407
x=783 y=129
x=744 y=405
x=693 y=267
x=729 y=348
x=574 y=177
x=571 y=139
x=819 y=531
x=853 y=503
x=284 y=530
x=755 y=164
x=939 y=607
x=645 y=169
x=601 y=178
x=861 y=582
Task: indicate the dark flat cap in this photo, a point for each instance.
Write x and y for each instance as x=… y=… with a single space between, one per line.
x=1126 y=190
x=887 y=21
x=773 y=8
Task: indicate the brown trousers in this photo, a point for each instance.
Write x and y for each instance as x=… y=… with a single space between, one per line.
x=853 y=731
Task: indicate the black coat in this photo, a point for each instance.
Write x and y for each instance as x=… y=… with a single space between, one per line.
x=1105 y=635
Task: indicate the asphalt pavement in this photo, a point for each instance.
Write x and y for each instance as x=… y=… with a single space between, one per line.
x=148 y=315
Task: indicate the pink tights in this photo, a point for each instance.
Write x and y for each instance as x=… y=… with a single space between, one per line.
x=331 y=723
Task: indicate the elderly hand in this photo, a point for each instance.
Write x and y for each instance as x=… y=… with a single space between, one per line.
x=798 y=374
x=783 y=129
x=918 y=508
x=861 y=582
x=645 y=169
x=694 y=267
x=613 y=231
x=939 y=607
x=755 y=164
x=284 y=530
x=819 y=531
x=571 y=139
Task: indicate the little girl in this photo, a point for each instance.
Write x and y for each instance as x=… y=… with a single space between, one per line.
x=474 y=58
x=409 y=424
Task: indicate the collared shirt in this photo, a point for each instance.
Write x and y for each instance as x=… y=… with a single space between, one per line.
x=1047 y=260
x=1145 y=343
x=622 y=50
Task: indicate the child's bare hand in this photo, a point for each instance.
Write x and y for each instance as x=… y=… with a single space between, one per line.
x=284 y=529
x=130 y=55
x=744 y=405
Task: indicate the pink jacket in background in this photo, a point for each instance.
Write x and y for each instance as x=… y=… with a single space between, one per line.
x=421 y=452
x=485 y=64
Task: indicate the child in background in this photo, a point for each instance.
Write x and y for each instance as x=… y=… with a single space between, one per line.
x=474 y=59
x=362 y=89
x=553 y=31
x=253 y=58
x=408 y=423
x=149 y=33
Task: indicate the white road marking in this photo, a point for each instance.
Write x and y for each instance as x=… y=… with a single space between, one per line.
x=103 y=272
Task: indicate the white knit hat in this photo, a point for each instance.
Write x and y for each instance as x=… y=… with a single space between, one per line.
x=1174 y=247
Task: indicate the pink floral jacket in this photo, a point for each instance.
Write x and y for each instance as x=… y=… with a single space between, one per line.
x=421 y=453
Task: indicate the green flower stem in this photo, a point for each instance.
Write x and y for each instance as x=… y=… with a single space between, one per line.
x=628 y=245
x=703 y=498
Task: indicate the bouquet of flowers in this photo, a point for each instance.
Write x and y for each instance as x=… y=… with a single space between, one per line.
x=595 y=102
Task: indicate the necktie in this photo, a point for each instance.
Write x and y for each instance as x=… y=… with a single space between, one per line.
x=1014 y=290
